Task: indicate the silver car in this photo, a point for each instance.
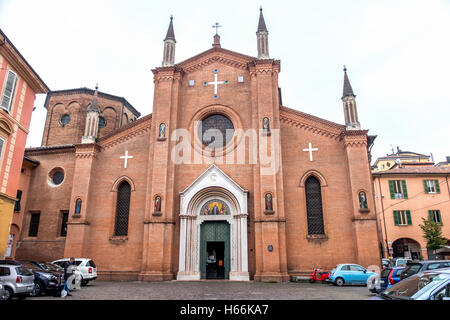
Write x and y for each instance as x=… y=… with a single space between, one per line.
x=16 y=281
x=428 y=285
x=3 y=293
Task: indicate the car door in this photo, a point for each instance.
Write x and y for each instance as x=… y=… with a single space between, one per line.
x=346 y=274
x=358 y=274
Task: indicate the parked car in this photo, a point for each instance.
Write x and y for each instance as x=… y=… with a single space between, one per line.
x=428 y=285
x=17 y=281
x=3 y=293
x=398 y=262
x=86 y=266
x=45 y=280
x=389 y=277
x=386 y=263
x=349 y=274
x=415 y=267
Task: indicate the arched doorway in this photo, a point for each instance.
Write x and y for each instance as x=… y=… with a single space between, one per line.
x=213 y=229
x=407 y=248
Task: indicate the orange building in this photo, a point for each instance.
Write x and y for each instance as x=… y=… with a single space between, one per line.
x=19 y=84
x=403 y=196
x=220 y=181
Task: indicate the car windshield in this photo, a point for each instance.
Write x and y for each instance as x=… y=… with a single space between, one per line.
x=50 y=267
x=415 y=267
x=29 y=265
x=23 y=271
x=413 y=286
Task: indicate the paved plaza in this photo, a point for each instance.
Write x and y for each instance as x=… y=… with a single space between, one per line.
x=215 y=290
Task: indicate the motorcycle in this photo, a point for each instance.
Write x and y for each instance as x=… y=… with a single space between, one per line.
x=318 y=276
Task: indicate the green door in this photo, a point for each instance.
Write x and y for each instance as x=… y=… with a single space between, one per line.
x=215 y=236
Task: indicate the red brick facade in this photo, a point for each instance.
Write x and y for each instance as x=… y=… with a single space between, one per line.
x=151 y=249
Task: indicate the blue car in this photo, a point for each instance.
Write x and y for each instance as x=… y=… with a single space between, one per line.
x=349 y=274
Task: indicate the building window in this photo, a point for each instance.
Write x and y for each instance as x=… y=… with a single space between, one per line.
x=122 y=209
x=56 y=177
x=101 y=122
x=314 y=207
x=65 y=120
x=8 y=91
x=402 y=218
x=1 y=147
x=191 y=83
x=65 y=219
x=398 y=189
x=432 y=186
x=435 y=215
x=34 y=225
x=78 y=204
x=19 y=198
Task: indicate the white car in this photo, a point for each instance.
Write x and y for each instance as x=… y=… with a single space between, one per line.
x=85 y=266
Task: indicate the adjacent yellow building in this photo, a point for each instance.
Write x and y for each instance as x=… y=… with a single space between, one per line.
x=19 y=84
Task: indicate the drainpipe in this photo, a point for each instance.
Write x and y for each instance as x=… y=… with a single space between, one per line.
x=384 y=217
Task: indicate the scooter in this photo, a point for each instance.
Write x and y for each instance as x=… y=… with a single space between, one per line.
x=318 y=276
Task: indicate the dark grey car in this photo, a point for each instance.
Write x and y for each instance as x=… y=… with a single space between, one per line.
x=415 y=267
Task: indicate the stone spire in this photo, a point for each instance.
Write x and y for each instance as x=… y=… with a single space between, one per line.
x=92 y=118
x=169 y=46
x=349 y=102
x=263 y=38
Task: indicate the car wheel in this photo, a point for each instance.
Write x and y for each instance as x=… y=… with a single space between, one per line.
x=8 y=294
x=37 y=289
x=339 y=282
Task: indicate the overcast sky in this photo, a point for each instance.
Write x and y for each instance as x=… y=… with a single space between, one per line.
x=397 y=54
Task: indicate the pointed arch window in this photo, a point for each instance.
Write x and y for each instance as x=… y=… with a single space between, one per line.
x=314 y=206
x=122 y=209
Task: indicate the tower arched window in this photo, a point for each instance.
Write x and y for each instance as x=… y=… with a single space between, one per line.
x=314 y=206
x=122 y=209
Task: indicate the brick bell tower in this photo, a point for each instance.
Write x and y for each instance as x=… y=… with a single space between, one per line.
x=160 y=219
x=364 y=216
x=270 y=225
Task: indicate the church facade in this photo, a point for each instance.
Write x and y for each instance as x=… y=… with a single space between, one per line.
x=220 y=182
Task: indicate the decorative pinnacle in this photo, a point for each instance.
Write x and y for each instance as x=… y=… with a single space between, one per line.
x=170 y=33
x=348 y=91
x=262 y=23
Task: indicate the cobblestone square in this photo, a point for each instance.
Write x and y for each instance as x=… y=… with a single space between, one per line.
x=213 y=290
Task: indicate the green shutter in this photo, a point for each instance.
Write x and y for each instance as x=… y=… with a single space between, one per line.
x=405 y=190
x=430 y=214
x=425 y=185
x=438 y=189
x=439 y=215
x=396 y=218
x=391 y=188
x=408 y=216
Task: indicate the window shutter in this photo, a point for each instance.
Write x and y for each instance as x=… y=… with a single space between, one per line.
x=430 y=215
x=439 y=215
x=426 y=186
x=391 y=189
x=438 y=188
x=408 y=216
x=405 y=190
x=8 y=91
x=396 y=218
x=19 y=198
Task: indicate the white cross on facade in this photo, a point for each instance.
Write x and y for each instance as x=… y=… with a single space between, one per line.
x=310 y=150
x=126 y=157
x=216 y=83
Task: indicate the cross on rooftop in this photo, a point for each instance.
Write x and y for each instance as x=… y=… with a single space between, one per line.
x=217 y=26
